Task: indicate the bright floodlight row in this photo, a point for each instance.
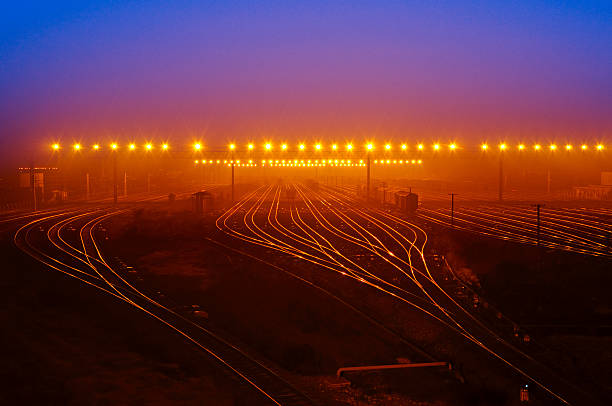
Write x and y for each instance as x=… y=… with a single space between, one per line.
x=335 y=147
x=113 y=146
x=197 y=146
x=388 y=147
x=539 y=147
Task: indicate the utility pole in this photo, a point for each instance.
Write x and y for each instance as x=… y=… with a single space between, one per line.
x=538 y=206
x=452 y=195
x=538 y=242
x=125 y=184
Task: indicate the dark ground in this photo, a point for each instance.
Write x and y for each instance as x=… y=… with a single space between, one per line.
x=67 y=344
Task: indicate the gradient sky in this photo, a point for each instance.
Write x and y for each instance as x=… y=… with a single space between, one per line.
x=282 y=69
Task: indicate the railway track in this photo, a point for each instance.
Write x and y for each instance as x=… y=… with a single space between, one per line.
x=322 y=226
x=582 y=231
x=67 y=242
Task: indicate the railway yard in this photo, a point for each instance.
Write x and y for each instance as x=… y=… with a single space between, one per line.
x=297 y=280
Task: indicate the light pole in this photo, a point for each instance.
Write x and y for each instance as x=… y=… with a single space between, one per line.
x=502 y=148
x=369 y=147
x=87 y=186
x=232 y=147
x=114 y=152
x=33 y=183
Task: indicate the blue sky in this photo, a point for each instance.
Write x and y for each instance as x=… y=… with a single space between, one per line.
x=241 y=68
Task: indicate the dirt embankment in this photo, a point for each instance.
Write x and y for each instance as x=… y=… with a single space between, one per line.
x=562 y=299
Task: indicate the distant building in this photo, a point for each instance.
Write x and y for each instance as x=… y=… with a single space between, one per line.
x=596 y=192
